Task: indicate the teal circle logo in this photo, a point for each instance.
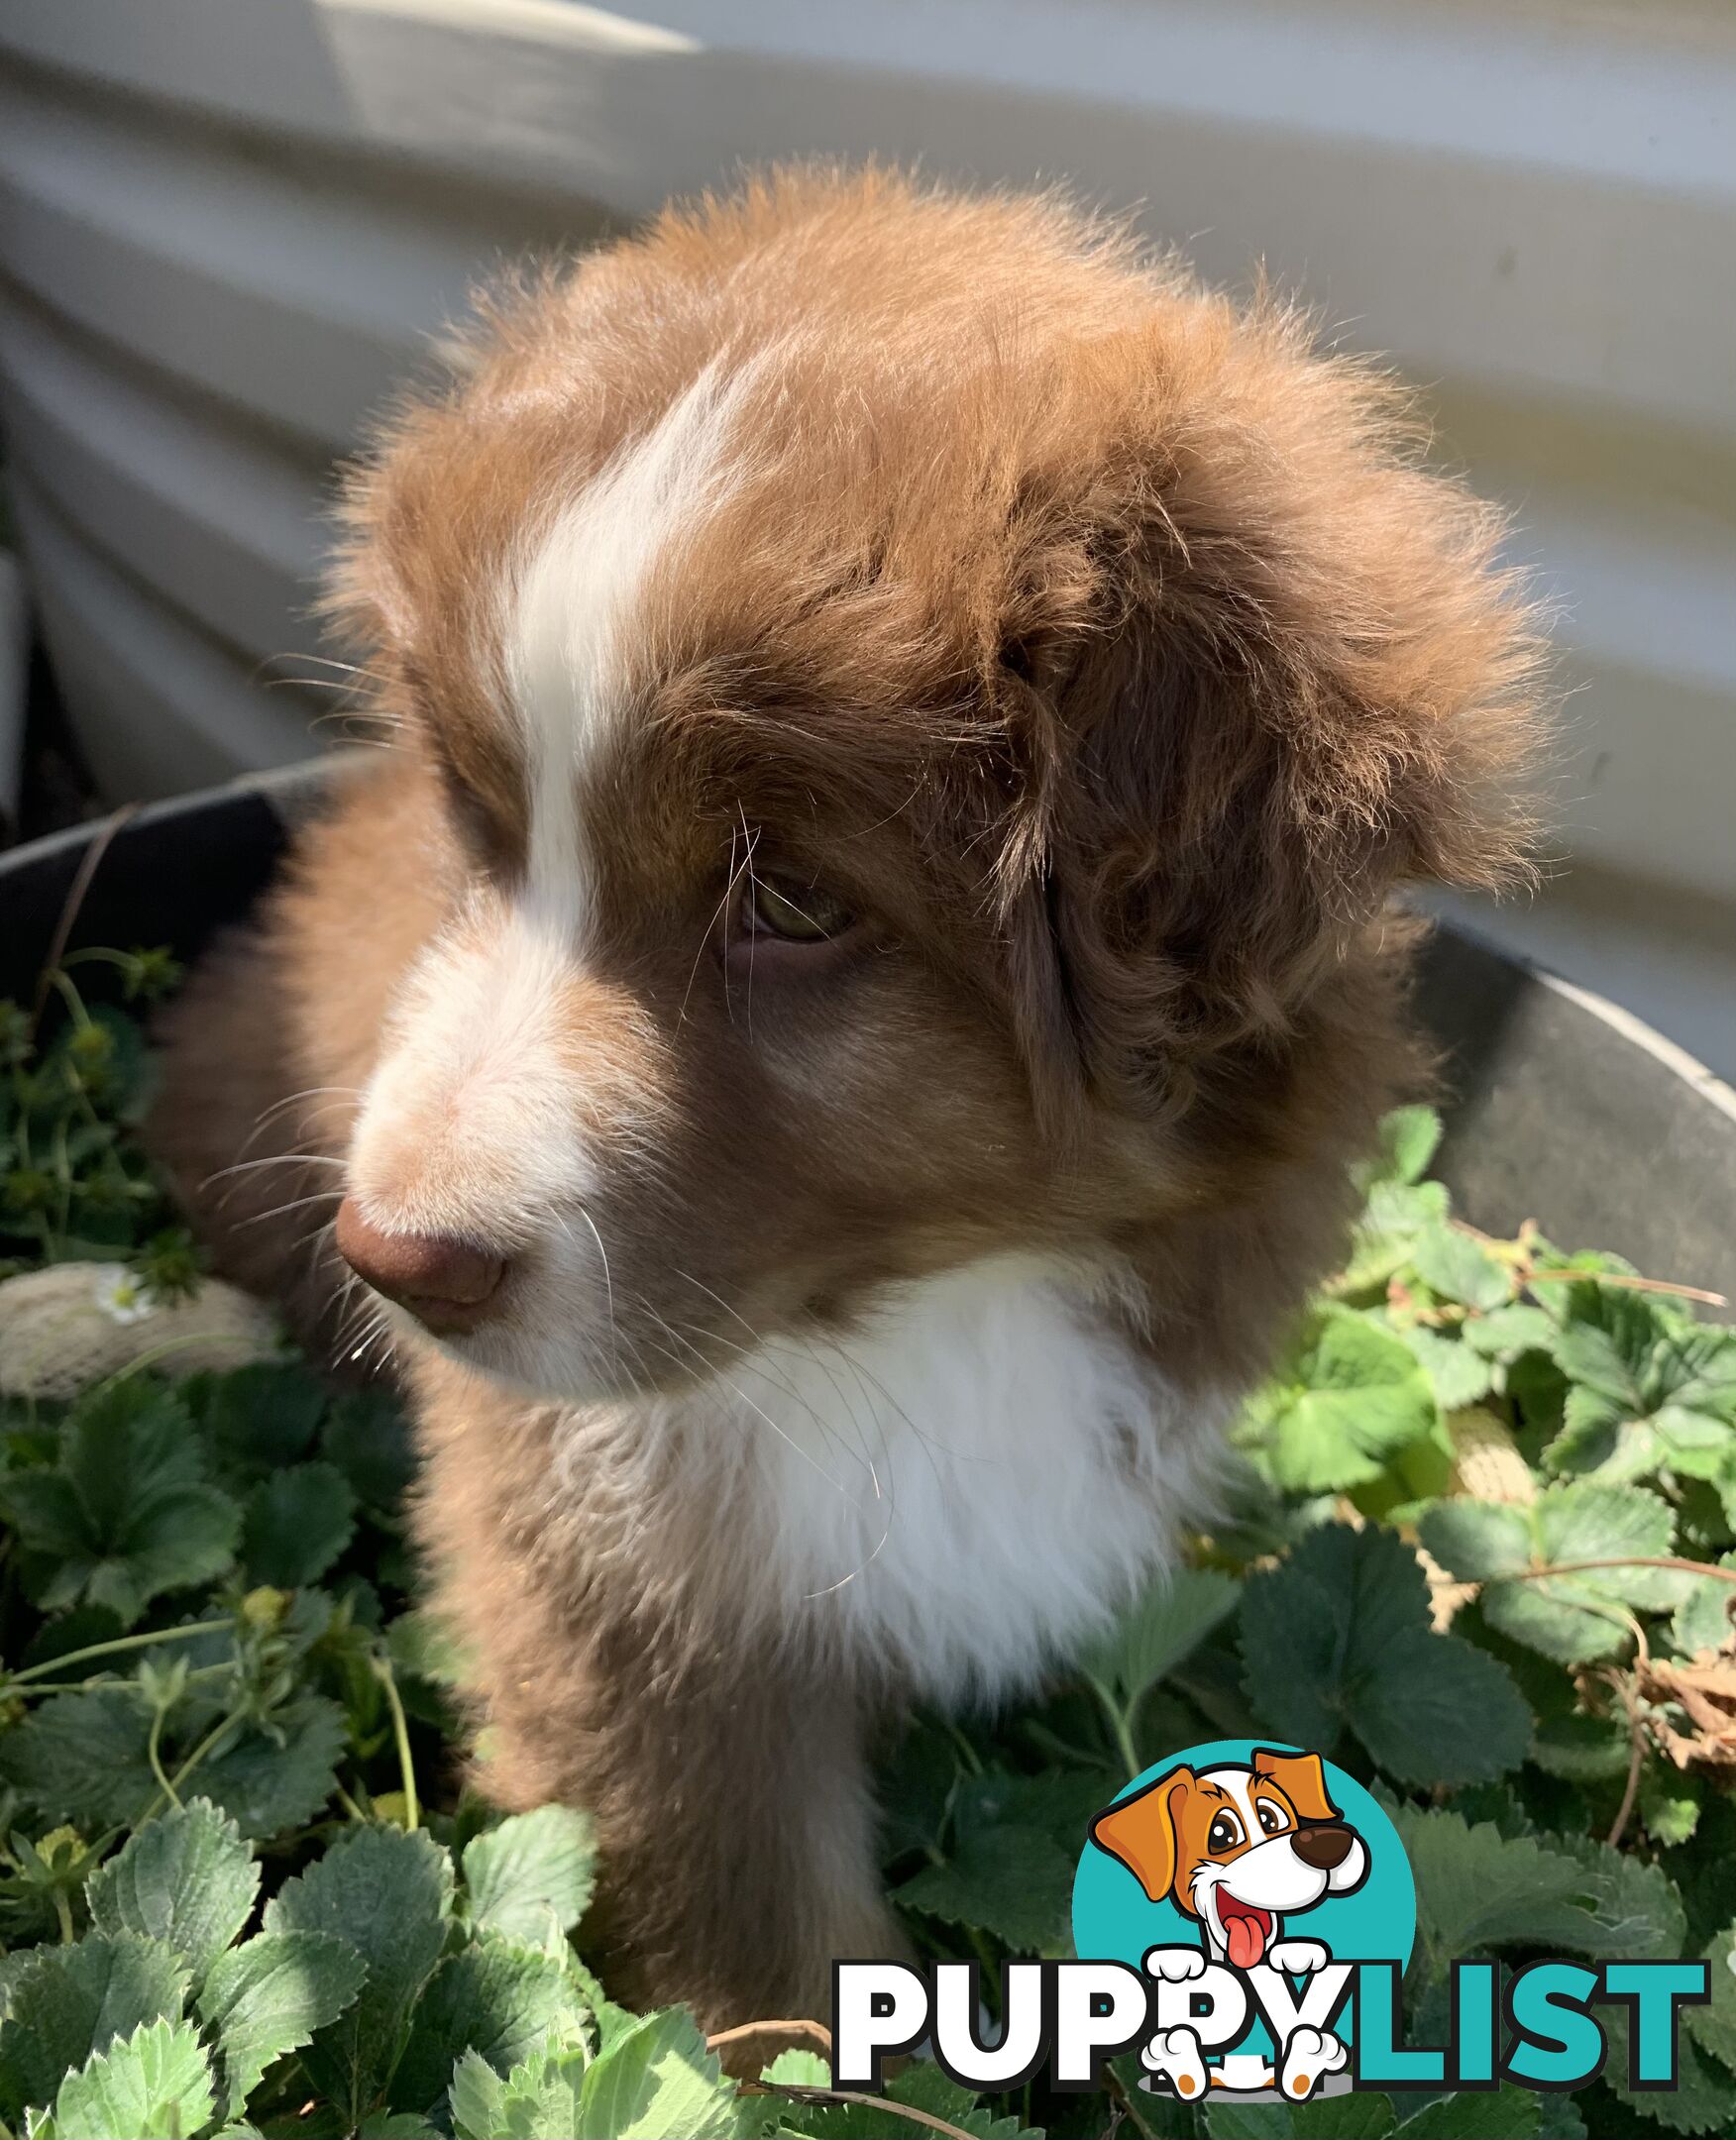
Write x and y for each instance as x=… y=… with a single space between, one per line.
x=1242 y=1855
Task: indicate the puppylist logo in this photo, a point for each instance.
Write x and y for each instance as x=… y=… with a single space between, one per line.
x=1242 y=1916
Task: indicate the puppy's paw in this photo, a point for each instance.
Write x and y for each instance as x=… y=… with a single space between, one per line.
x=1174 y=2055
x=1298 y=1956
x=1175 y=1965
x=1309 y=2055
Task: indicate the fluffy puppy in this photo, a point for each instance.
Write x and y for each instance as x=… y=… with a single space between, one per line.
x=840 y=1019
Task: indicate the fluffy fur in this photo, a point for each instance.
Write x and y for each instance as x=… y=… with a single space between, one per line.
x=871 y=1304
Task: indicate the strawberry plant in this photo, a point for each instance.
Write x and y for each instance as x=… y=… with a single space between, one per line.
x=1479 y=1547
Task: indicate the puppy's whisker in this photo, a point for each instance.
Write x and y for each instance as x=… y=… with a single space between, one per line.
x=282 y=1211
x=765 y=1359
x=780 y=1378
x=807 y=1457
x=248 y=1167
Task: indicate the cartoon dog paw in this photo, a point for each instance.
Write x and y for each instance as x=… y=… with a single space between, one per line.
x=1298 y=1956
x=1309 y=2055
x=1175 y=1965
x=1174 y=2055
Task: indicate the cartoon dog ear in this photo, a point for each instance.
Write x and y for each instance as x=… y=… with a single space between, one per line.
x=1302 y=1780
x=1140 y=1832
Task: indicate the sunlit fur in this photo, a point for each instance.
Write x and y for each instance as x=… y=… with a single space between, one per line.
x=872 y=1309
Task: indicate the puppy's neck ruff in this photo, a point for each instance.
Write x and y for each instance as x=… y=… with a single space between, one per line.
x=961 y=1490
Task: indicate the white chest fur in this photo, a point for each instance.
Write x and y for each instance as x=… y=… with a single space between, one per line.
x=962 y=1490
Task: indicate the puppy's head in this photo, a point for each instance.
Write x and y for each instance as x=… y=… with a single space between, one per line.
x=1237 y=1847
x=925 y=705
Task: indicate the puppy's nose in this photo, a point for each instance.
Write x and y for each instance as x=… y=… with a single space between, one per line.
x=1323 y=1846
x=444 y=1283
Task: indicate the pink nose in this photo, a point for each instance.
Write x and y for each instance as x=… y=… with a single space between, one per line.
x=445 y=1284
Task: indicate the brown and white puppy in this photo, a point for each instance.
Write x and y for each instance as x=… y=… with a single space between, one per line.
x=839 y=1020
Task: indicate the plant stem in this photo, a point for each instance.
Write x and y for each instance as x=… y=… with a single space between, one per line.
x=1121 y=1722
x=1615 y=1560
x=80 y=1687
x=199 y=1753
x=63 y=1910
x=116 y=1646
x=70 y=995
x=401 y=1731
x=966 y=1751
x=153 y=1752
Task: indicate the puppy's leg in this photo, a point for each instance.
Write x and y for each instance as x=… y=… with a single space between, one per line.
x=729 y=1786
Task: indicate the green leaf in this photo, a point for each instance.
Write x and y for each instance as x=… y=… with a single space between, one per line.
x=82 y=1758
x=477 y=2100
x=1510 y=2114
x=1351 y=1401
x=49 y=1517
x=132 y=1516
x=532 y=1875
x=1571 y=1618
x=1670 y=1805
x=422 y=1646
x=187 y=1878
x=268 y=1996
x=658 y=2082
x=1060 y=1802
x=1363 y=2116
x=1636 y=1905
x=297 y=1523
x=263 y=1416
x=1457 y=1268
x=1012 y=1882
x=1651 y=1392
x=496 y=1998
x=1410 y=1136
x=72 y=2002
x=153 y=2085
x=1383 y=1237
x=1459 y=1374
x=279 y=1775
x=798 y=2069
x=1702 y=1620
x=1423 y=1697
x=1507 y=1331
x=1337 y=1637
x=1478 y=1888
x=390 y=1894
x=1703 y=2099
x=1713 y=2026
x=366 y=1439
x=1167 y=1624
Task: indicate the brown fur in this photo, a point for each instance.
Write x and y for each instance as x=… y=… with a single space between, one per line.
x=1099 y=642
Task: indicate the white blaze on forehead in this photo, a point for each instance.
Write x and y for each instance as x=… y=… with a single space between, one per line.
x=570 y=645
x=1237 y=1786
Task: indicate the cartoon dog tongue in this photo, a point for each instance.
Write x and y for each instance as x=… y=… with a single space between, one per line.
x=1245 y=1930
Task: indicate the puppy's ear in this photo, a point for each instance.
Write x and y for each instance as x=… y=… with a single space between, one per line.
x=1302 y=1780
x=1140 y=1832
x=1301 y=677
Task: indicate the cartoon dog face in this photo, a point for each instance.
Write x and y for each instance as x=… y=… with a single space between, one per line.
x=1237 y=1847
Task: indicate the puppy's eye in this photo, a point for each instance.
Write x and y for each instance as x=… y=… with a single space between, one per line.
x=795 y=913
x=1270 y=1817
x=1225 y=1833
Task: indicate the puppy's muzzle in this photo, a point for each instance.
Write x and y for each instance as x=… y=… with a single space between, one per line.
x=1324 y=1845
x=445 y=1283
